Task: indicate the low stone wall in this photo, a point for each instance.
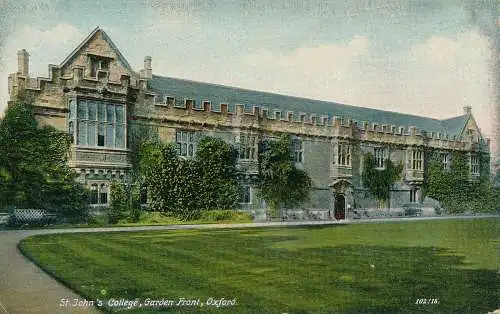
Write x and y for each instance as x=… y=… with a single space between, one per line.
x=394 y=212
x=292 y=214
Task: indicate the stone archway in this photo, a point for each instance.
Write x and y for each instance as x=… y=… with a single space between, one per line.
x=339 y=207
x=342 y=198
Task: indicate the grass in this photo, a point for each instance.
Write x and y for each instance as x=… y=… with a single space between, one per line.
x=359 y=268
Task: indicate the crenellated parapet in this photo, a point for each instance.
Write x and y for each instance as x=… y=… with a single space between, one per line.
x=306 y=124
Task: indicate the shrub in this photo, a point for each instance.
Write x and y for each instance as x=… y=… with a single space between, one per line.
x=225 y=215
x=135 y=204
x=118 y=205
x=97 y=220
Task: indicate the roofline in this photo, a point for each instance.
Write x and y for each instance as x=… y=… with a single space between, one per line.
x=72 y=54
x=469 y=115
x=85 y=41
x=297 y=97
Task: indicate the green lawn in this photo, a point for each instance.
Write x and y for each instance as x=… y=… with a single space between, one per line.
x=360 y=268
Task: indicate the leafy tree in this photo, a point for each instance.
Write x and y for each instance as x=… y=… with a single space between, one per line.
x=33 y=165
x=118 y=202
x=280 y=182
x=157 y=162
x=216 y=161
x=173 y=184
x=380 y=181
x=135 y=202
x=183 y=188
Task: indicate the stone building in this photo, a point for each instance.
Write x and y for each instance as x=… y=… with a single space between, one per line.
x=97 y=97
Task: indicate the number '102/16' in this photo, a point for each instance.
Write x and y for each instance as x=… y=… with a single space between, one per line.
x=427 y=301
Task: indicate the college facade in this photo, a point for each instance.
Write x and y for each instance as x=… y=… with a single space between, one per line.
x=105 y=105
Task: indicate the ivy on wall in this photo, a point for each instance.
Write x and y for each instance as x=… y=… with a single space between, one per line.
x=380 y=181
x=280 y=183
x=184 y=188
x=454 y=188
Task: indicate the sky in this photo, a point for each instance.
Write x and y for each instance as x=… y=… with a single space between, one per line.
x=427 y=57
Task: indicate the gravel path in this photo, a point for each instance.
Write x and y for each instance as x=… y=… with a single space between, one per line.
x=24 y=288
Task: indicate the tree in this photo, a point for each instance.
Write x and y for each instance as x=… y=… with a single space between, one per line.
x=280 y=182
x=183 y=188
x=157 y=163
x=118 y=202
x=33 y=165
x=216 y=161
x=380 y=181
x=173 y=184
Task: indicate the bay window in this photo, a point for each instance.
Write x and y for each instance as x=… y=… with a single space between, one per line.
x=98 y=124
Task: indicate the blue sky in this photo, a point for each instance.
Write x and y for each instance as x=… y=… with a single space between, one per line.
x=423 y=57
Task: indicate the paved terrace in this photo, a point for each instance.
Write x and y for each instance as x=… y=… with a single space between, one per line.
x=24 y=288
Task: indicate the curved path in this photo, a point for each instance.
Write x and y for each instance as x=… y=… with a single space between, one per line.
x=24 y=288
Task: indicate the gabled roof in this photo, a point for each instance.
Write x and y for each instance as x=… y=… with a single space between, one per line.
x=105 y=36
x=456 y=125
x=180 y=88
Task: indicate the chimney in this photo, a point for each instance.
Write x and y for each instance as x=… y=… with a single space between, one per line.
x=148 y=70
x=467 y=110
x=23 y=63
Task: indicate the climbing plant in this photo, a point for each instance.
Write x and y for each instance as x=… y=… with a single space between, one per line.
x=380 y=181
x=184 y=188
x=280 y=183
x=455 y=189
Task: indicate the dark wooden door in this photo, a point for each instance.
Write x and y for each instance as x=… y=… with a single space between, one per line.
x=339 y=207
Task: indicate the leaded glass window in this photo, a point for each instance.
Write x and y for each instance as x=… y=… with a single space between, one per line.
x=100 y=124
x=247 y=146
x=186 y=143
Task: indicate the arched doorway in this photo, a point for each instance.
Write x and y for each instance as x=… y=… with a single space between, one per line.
x=339 y=207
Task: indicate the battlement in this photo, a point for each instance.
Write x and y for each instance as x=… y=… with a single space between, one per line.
x=308 y=124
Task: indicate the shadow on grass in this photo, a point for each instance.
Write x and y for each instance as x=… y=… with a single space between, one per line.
x=266 y=279
x=362 y=279
x=392 y=280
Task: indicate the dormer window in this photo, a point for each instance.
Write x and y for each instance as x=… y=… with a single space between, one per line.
x=98 y=64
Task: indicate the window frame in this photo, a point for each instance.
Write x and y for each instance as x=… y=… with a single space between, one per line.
x=97 y=130
x=186 y=143
x=247 y=146
x=344 y=154
x=417 y=160
x=380 y=154
x=414 y=196
x=242 y=194
x=297 y=150
x=445 y=161
x=99 y=190
x=102 y=65
x=475 y=165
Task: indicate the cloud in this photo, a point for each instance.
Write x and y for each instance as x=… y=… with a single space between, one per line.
x=44 y=46
x=306 y=71
x=468 y=47
x=436 y=78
